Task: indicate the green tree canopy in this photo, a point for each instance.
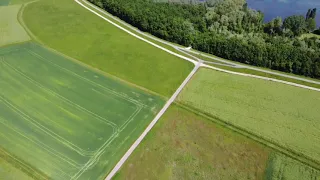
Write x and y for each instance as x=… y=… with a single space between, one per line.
x=296 y=24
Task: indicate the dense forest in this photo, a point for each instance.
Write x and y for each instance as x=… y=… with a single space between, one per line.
x=228 y=29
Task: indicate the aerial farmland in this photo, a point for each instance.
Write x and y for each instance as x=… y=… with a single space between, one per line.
x=86 y=93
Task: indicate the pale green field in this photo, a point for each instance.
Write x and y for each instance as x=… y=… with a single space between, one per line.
x=10 y=29
x=184 y=145
x=64 y=120
x=10 y=172
x=76 y=32
x=284 y=168
x=285 y=115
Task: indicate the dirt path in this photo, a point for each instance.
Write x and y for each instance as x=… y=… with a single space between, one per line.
x=153 y=122
x=198 y=63
x=190 y=50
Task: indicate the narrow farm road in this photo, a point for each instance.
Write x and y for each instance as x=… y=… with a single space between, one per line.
x=196 y=61
x=154 y=121
x=191 y=50
x=261 y=77
x=87 y=6
x=262 y=70
x=129 y=32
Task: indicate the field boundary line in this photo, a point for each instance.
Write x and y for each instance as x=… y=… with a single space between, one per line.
x=263 y=78
x=141 y=38
x=23 y=165
x=89 y=81
x=153 y=122
x=61 y=97
x=98 y=71
x=177 y=47
x=103 y=73
x=119 y=95
x=256 y=68
x=22 y=23
x=300 y=157
x=131 y=149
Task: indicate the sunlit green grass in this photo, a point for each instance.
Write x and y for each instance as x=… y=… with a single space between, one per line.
x=72 y=30
x=283 y=114
x=10 y=29
x=184 y=145
x=281 y=167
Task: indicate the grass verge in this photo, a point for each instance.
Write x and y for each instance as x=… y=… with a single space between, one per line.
x=10 y=30
x=263 y=74
x=281 y=167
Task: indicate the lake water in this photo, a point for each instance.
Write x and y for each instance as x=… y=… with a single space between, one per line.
x=285 y=8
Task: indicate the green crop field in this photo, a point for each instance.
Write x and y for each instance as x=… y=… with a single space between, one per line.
x=183 y=145
x=285 y=115
x=10 y=171
x=76 y=32
x=10 y=29
x=282 y=167
x=63 y=120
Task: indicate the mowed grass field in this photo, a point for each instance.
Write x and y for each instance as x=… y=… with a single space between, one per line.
x=184 y=145
x=76 y=32
x=63 y=120
x=10 y=29
x=284 y=115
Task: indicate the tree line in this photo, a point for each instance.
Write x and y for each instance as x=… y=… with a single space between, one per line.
x=229 y=29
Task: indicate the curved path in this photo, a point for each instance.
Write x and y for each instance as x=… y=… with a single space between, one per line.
x=191 y=50
x=88 y=6
x=198 y=64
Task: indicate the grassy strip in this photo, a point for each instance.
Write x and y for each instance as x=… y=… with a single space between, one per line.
x=10 y=30
x=259 y=73
x=279 y=148
x=281 y=167
x=144 y=35
x=22 y=165
x=198 y=55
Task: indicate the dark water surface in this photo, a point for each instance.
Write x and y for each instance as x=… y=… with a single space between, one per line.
x=285 y=8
